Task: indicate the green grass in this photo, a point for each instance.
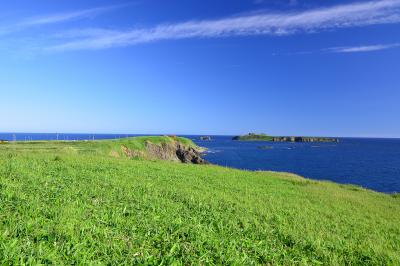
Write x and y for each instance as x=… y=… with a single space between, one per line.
x=72 y=203
x=97 y=147
x=254 y=137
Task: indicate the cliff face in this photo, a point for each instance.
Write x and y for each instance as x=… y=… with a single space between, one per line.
x=263 y=137
x=173 y=151
x=304 y=139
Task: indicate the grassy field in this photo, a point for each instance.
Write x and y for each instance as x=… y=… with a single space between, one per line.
x=73 y=203
x=98 y=147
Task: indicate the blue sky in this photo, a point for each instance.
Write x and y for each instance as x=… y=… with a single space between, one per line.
x=283 y=67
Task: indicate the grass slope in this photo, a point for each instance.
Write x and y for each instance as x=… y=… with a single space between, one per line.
x=87 y=207
x=98 y=147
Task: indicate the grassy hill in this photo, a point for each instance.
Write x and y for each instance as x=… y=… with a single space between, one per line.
x=98 y=147
x=76 y=203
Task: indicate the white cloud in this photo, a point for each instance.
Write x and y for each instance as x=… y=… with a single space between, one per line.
x=315 y=20
x=364 y=48
x=63 y=17
x=56 y=18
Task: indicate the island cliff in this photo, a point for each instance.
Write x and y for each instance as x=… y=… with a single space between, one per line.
x=304 y=139
x=264 y=137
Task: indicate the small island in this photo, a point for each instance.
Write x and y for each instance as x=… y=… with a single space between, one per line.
x=264 y=137
x=253 y=137
x=205 y=138
x=304 y=139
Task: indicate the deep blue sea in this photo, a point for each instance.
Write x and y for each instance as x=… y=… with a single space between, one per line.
x=370 y=163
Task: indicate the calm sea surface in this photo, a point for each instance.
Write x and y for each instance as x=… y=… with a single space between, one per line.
x=370 y=163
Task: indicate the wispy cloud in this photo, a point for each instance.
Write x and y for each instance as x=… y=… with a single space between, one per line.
x=56 y=18
x=345 y=49
x=64 y=17
x=363 y=48
x=277 y=24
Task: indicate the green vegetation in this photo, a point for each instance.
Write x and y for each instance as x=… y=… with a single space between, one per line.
x=98 y=147
x=73 y=203
x=254 y=137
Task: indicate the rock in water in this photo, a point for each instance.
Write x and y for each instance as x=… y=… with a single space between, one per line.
x=189 y=155
x=304 y=139
x=264 y=147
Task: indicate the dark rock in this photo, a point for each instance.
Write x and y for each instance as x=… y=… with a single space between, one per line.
x=264 y=147
x=189 y=155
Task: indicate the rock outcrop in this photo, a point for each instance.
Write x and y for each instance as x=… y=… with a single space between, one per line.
x=264 y=137
x=264 y=147
x=129 y=153
x=167 y=151
x=189 y=155
x=304 y=139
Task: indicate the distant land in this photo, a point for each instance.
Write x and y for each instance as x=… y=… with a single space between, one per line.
x=253 y=137
x=265 y=137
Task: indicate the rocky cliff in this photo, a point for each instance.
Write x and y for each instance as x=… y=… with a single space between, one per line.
x=168 y=151
x=264 y=137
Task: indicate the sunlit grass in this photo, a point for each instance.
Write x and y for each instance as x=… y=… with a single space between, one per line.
x=72 y=203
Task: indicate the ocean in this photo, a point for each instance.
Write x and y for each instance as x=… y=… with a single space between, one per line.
x=370 y=163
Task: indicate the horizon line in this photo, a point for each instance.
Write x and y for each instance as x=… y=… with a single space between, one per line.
x=221 y=135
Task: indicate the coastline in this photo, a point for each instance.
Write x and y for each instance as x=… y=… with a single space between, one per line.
x=362 y=164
